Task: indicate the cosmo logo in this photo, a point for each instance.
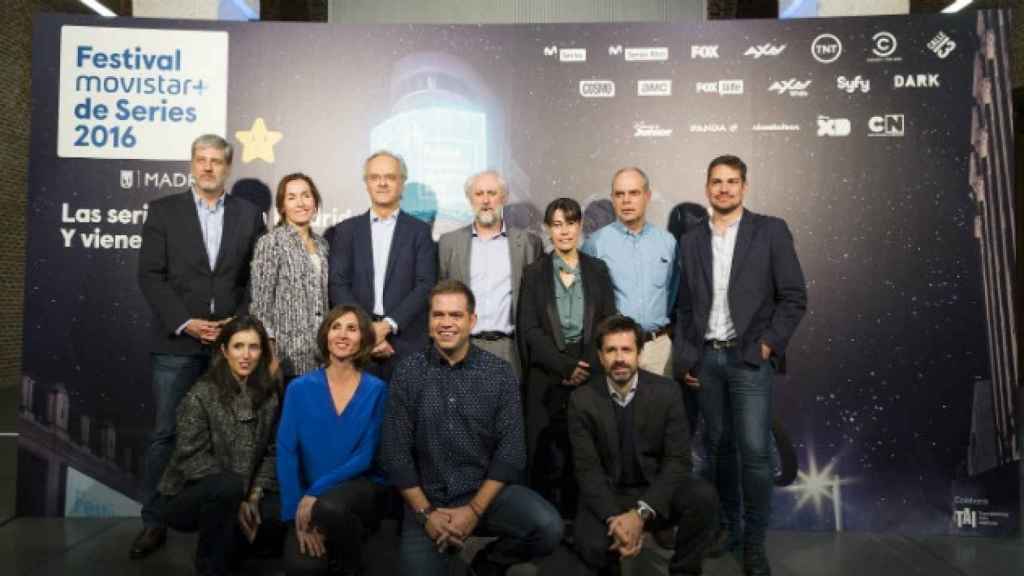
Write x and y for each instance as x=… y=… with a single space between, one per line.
x=915 y=81
x=764 y=50
x=597 y=88
x=851 y=85
x=793 y=87
x=833 y=127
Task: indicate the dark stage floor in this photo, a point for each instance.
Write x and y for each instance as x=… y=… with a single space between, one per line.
x=40 y=546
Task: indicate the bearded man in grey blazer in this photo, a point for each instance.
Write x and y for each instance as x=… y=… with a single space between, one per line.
x=489 y=258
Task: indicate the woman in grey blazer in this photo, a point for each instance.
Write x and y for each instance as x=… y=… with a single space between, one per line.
x=289 y=277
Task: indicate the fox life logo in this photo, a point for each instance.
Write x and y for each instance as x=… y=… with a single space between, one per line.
x=139 y=179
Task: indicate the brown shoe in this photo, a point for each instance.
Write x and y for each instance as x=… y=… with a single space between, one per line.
x=666 y=538
x=147 y=542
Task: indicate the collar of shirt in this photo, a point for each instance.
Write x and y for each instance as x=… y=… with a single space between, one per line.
x=500 y=234
x=618 y=225
x=201 y=201
x=563 y=266
x=435 y=357
x=613 y=391
x=383 y=220
x=730 y=228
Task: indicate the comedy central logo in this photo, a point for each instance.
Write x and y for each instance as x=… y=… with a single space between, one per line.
x=826 y=48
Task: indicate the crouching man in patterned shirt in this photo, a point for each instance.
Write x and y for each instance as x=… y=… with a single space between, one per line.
x=453 y=444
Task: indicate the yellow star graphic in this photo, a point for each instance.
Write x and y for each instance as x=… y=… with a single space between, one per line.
x=258 y=142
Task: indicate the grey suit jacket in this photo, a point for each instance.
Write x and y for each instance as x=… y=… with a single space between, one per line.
x=454 y=256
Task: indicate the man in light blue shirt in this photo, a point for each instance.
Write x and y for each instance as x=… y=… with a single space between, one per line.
x=641 y=259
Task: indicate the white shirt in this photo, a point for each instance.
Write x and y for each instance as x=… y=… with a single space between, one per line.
x=619 y=399
x=723 y=246
x=382 y=231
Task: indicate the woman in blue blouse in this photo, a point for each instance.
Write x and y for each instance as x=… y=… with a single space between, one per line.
x=326 y=442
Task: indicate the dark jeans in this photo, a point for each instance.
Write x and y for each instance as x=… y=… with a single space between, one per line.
x=736 y=400
x=173 y=375
x=694 y=512
x=526 y=525
x=553 y=473
x=210 y=506
x=345 y=514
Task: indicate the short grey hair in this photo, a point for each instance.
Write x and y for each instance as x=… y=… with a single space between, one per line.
x=402 y=169
x=213 y=141
x=641 y=173
x=471 y=181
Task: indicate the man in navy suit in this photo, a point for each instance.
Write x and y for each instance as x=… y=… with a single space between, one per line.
x=194 y=274
x=741 y=297
x=386 y=262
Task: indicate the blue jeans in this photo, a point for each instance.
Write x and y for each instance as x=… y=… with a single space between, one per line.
x=526 y=525
x=736 y=399
x=173 y=375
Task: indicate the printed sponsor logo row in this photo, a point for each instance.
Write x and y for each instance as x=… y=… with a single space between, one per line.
x=789 y=87
x=887 y=125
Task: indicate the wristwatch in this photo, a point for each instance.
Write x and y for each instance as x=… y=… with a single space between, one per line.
x=645 y=512
x=256 y=492
x=423 y=514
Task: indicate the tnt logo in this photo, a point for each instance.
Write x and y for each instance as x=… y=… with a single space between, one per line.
x=833 y=127
x=704 y=52
x=826 y=48
x=965 y=517
x=886 y=125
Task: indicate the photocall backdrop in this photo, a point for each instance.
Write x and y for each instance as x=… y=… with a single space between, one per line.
x=882 y=142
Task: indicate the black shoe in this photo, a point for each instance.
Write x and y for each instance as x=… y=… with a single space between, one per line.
x=482 y=566
x=148 y=541
x=755 y=561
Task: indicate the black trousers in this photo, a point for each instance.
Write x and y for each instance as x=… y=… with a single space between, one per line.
x=694 y=512
x=210 y=506
x=345 y=514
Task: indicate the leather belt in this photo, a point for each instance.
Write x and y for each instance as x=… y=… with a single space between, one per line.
x=491 y=335
x=663 y=331
x=720 y=344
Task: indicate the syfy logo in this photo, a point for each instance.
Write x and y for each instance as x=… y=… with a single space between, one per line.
x=942 y=45
x=654 y=88
x=833 y=127
x=965 y=517
x=722 y=87
x=851 y=85
x=915 y=81
x=764 y=50
x=597 y=88
x=652 y=54
x=704 y=52
x=139 y=179
x=826 y=48
x=793 y=87
x=644 y=130
x=891 y=125
x=572 y=55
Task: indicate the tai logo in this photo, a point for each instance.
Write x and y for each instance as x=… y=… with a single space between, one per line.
x=826 y=48
x=833 y=127
x=915 y=81
x=764 y=50
x=883 y=44
x=942 y=45
x=704 y=52
x=965 y=517
x=851 y=85
x=886 y=125
x=127 y=177
x=597 y=88
x=722 y=87
x=793 y=87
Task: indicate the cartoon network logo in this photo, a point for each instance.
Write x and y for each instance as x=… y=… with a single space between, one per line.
x=891 y=125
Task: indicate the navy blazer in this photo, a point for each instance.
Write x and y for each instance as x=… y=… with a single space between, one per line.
x=767 y=292
x=411 y=274
x=174 y=270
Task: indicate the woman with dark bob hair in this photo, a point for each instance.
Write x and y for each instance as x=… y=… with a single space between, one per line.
x=564 y=296
x=329 y=430
x=220 y=480
x=289 y=276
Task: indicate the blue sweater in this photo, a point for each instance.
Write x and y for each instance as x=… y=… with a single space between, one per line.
x=318 y=449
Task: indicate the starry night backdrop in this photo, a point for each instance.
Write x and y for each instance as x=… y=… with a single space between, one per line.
x=882 y=368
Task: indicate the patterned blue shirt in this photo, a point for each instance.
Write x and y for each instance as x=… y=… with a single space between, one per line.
x=642 y=267
x=448 y=428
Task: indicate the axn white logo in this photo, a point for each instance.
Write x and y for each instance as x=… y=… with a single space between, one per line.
x=891 y=125
x=597 y=88
x=965 y=517
x=654 y=88
x=792 y=87
x=916 y=81
x=942 y=45
x=760 y=50
x=704 y=52
x=826 y=48
x=833 y=127
x=851 y=85
x=721 y=87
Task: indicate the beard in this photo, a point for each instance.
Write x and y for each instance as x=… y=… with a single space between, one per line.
x=489 y=217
